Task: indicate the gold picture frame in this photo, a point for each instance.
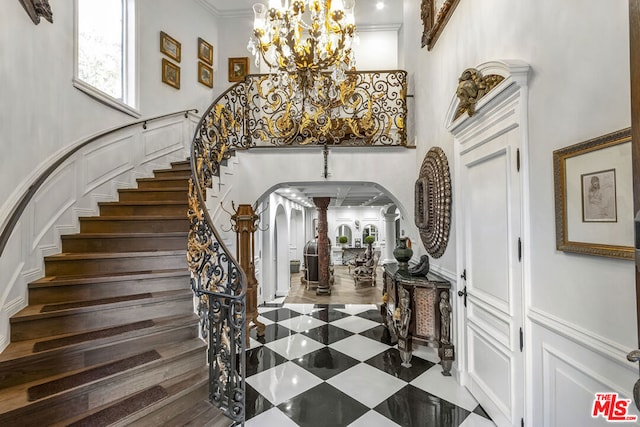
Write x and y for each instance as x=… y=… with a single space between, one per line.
x=205 y=51
x=238 y=69
x=170 y=46
x=435 y=14
x=170 y=73
x=205 y=74
x=594 y=196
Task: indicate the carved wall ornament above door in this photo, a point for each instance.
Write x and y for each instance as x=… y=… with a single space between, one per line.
x=435 y=14
x=472 y=86
x=433 y=202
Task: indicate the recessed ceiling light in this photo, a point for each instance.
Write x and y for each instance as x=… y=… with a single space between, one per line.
x=380 y=5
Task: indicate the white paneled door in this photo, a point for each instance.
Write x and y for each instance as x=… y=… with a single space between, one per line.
x=491 y=211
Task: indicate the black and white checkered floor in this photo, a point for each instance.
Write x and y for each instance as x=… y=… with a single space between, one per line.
x=333 y=365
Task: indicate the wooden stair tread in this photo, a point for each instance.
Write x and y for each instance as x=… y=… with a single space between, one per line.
x=176 y=388
x=16 y=397
x=152 y=190
x=144 y=203
x=35 y=311
x=111 y=235
x=103 y=255
x=161 y=179
x=201 y=414
x=113 y=277
x=16 y=351
x=135 y=218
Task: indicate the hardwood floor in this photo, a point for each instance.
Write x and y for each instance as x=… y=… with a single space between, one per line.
x=342 y=292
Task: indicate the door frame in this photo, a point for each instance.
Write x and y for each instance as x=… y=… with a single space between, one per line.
x=502 y=109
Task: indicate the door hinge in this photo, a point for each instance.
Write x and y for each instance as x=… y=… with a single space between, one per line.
x=521 y=339
x=463 y=276
x=519 y=249
x=518 y=160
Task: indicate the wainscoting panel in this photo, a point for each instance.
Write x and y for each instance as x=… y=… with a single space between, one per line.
x=161 y=140
x=53 y=200
x=108 y=161
x=488 y=365
x=571 y=369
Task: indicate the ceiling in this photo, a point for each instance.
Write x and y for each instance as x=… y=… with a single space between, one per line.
x=366 y=12
x=353 y=194
x=344 y=194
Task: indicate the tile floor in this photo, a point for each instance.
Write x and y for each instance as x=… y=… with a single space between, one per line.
x=333 y=365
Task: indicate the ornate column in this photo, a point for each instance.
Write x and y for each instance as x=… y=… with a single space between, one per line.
x=389 y=237
x=244 y=222
x=324 y=284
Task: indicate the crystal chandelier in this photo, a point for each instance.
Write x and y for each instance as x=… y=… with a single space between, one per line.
x=304 y=38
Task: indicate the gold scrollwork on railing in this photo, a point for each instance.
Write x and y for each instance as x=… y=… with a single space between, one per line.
x=368 y=108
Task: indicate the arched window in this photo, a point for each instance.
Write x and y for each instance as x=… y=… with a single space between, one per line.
x=344 y=230
x=370 y=230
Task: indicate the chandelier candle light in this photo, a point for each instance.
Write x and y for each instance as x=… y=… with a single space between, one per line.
x=305 y=38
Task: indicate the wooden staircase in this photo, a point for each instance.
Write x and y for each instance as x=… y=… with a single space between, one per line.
x=110 y=336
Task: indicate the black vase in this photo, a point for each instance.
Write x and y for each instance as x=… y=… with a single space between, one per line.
x=402 y=253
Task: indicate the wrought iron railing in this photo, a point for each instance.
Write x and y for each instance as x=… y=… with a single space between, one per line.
x=369 y=110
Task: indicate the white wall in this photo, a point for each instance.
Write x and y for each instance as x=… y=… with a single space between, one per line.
x=377 y=50
x=42 y=114
x=579 y=89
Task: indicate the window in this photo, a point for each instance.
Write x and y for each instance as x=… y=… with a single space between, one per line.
x=105 y=52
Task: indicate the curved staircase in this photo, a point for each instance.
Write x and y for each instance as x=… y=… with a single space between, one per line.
x=110 y=336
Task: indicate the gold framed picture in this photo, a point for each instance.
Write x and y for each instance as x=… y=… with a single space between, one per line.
x=435 y=14
x=594 y=196
x=238 y=69
x=205 y=51
x=170 y=73
x=205 y=74
x=170 y=46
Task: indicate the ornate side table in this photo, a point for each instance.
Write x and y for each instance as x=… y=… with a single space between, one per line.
x=418 y=308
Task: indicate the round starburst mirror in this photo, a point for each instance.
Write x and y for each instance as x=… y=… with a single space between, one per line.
x=433 y=202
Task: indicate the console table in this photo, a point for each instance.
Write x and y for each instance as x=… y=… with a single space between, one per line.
x=418 y=308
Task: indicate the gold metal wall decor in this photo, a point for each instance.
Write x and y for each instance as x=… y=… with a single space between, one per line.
x=472 y=86
x=435 y=14
x=433 y=197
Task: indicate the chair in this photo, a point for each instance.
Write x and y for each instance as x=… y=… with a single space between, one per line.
x=366 y=274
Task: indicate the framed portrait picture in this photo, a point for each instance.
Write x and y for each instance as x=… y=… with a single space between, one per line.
x=205 y=74
x=594 y=196
x=170 y=73
x=205 y=51
x=599 y=196
x=170 y=46
x=238 y=69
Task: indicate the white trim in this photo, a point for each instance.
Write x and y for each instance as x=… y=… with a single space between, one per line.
x=612 y=350
x=105 y=99
x=449 y=275
x=370 y=28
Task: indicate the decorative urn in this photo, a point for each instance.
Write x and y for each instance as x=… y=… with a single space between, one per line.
x=402 y=253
